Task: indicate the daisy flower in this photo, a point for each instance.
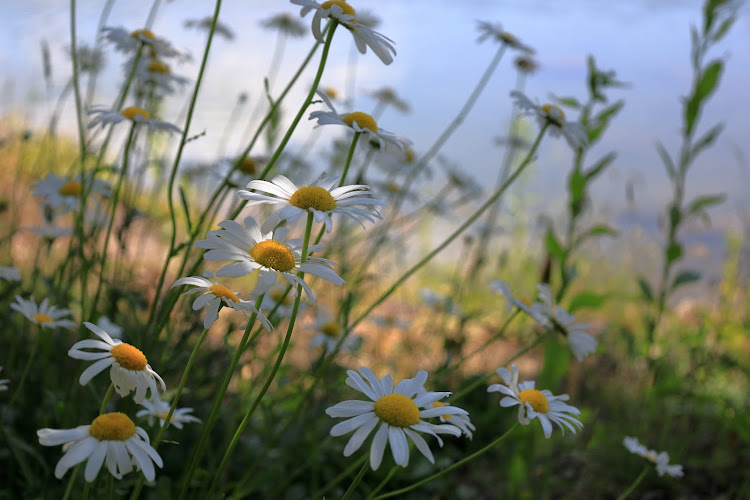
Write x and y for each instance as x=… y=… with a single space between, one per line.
x=532 y=403
x=130 y=369
x=63 y=194
x=276 y=297
x=359 y=122
x=390 y=321
x=553 y=115
x=9 y=273
x=130 y=41
x=496 y=32
x=439 y=303
x=104 y=116
x=268 y=253
x=285 y=23
x=387 y=95
x=344 y=13
x=112 y=438
x=463 y=422
x=400 y=412
x=213 y=296
x=328 y=333
x=4 y=382
x=155 y=72
x=321 y=198
x=50 y=231
x=205 y=25
x=660 y=460
x=158 y=408
x=44 y=315
x=114 y=330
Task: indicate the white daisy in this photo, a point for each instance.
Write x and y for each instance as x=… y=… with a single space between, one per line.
x=63 y=194
x=359 y=122
x=276 y=297
x=44 y=315
x=114 y=330
x=268 y=253
x=111 y=438
x=158 y=408
x=397 y=410
x=130 y=369
x=463 y=422
x=213 y=296
x=346 y=16
x=439 y=303
x=206 y=23
x=496 y=32
x=9 y=273
x=322 y=198
x=155 y=72
x=553 y=115
x=660 y=460
x=328 y=333
x=389 y=321
x=130 y=41
x=104 y=116
x=285 y=23
x=533 y=403
x=4 y=382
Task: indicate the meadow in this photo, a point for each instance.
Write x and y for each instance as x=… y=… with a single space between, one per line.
x=376 y=322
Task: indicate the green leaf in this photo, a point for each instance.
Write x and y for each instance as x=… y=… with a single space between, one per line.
x=675 y=216
x=577 y=187
x=553 y=245
x=600 y=165
x=705 y=141
x=673 y=252
x=703 y=202
x=587 y=299
x=599 y=230
x=570 y=102
x=684 y=278
x=704 y=87
x=187 y=211
x=603 y=119
x=645 y=287
x=666 y=160
x=723 y=29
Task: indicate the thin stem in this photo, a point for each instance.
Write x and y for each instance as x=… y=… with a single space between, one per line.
x=356 y=481
x=349 y=156
x=382 y=484
x=634 y=485
x=71 y=481
x=107 y=397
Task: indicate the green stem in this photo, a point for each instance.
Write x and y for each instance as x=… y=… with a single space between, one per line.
x=356 y=481
x=24 y=374
x=382 y=484
x=71 y=482
x=337 y=479
x=349 y=156
x=634 y=485
x=107 y=397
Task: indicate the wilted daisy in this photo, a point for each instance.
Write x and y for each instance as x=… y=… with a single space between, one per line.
x=660 y=460
x=400 y=412
x=346 y=16
x=321 y=198
x=130 y=41
x=114 y=330
x=359 y=122
x=496 y=32
x=533 y=403
x=328 y=333
x=213 y=295
x=63 y=194
x=9 y=273
x=157 y=408
x=130 y=369
x=553 y=115
x=44 y=315
x=104 y=116
x=4 y=382
x=112 y=438
x=268 y=253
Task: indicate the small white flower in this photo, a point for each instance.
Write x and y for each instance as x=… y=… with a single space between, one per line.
x=4 y=382
x=660 y=460
x=104 y=116
x=44 y=315
x=496 y=32
x=322 y=198
x=463 y=422
x=213 y=295
x=114 y=331
x=328 y=333
x=158 y=408
x=344 y=13
x=205 y=25
x=9 y=273
x=276 y=297
x=130 y=369
x=111 y=438
x=130 y=41
x=533 y=403
x=156 y=73
x=63 y=194
x=397 y=410
x=553 y=115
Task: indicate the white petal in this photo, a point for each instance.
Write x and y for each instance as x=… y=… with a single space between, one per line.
x=378 y=446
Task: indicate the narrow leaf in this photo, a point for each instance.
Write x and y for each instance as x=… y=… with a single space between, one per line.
x=187 y=212
x=601 y=165
x=705 y=141
x=666 y=159
x=553 y=245
x=685 y=277
x=587 y=299
x=645 y=289
x=702 y=202
x=674 y=252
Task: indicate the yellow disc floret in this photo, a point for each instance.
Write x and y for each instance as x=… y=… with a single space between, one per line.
x=438 y=404
x=145 y=33
x=131 y=112
x=129 y=357
x=247 y=166
x=345 y=7
x=112 y=427
x=157 y=66
x=273 y=255
x=363 y=120
x=330 y=329
x=42 y=318
x=314 y=197
x=536 y=399
x=554 y=113
x=223 y=293
x=397 y=410
x=71 y=188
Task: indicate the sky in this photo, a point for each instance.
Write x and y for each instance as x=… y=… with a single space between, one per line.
x=438 y=63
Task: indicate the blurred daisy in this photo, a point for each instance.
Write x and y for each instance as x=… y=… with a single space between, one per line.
x=9 y=273
x=158 y=408
x=359 y=122
x=495 y=31
x=388 y=96
x=157 y=73
x=553 y=115
x=205 y=25
x=390 y=321
x=321 y=198
x=439 y=303
x=213 y=296
x=112 y=438
x=50 y=231
x=130 y=369
x=268 y=253
x=4 y=382
x=63 y=194
x=463 y=422
x=277 y=297
x=44 y=315
x=285 y=23
x=344 y=13
x=130 y=41
x=532 y=403
x=114 y=331
x=328 y=333
x=660 y=460
x=103 y=116
x=400 y=412
x=525 y=64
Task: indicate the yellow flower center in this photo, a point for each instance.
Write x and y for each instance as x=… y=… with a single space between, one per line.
x=112 y=427
x=273 y=255
x=248 y=166
x=42 y=318
x=348 y=9
x=223 y=293
x=143 y=32
x=164 y=416
x=331 y=92
x=131 y=112
x=411 y=155
x=331 y=329
x=508 y=38
x=438 y=404
x=536 y=399
x=526 y=301
x=314 y=197
x=397 y=410
x=364 y=121
x=129 y=357
x=158 y=67
x=554 y=113
x=70 y=188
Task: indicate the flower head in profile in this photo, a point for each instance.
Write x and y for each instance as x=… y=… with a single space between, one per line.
x=532 y=403
x=328 y=333
x=205 y=24
x=129 y=367
x=495 y=32
x=44 y=314
x=322 y=198
x=461 y=421
x=112 y=438
x=130 y=41
x=660 y=460
x=157 y=408
x=213 y=296
x=9 y=273
x=4 y=382
x=139 y=116
x=388 y=96
x=554 y=116
x=400 y=412
x=286 y=24
x=268 y=253
x=359 y=122
x=345 y=14
x=158 y=75
x=63 y=194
